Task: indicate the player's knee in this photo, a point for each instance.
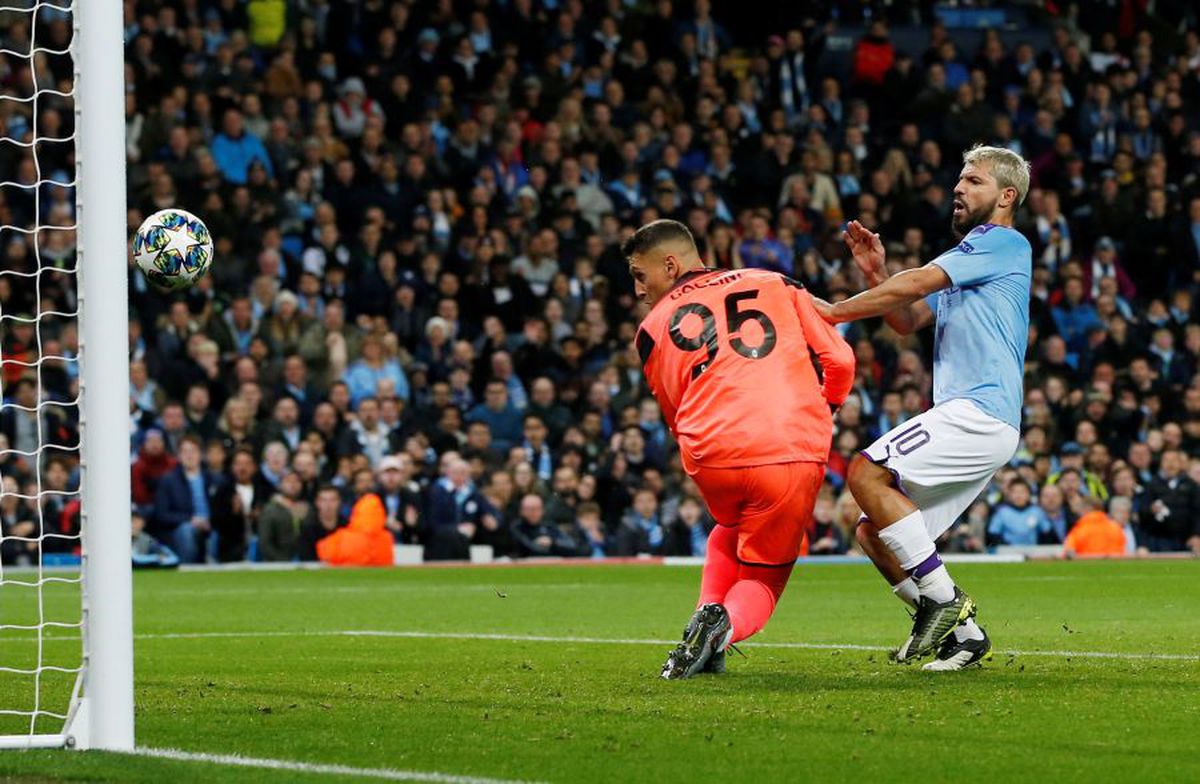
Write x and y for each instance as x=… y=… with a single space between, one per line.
x=862 y=475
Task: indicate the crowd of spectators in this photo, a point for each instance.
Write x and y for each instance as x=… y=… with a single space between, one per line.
x=418 y=292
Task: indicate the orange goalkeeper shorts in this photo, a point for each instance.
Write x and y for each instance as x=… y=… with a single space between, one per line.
x=771 y=507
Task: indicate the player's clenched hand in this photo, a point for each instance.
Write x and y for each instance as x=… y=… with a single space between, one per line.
x=867 y=249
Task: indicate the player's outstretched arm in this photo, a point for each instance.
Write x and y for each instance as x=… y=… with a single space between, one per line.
x=867 y=250
x=905 y=290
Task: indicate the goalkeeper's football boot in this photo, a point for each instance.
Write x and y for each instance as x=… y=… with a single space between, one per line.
x=958 y=654
x=933 y=623
x=716 y=663
x=710 y=632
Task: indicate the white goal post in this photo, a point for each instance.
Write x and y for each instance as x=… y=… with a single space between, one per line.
x=100 y=712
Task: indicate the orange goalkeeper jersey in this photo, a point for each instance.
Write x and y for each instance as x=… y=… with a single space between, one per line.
x=726 y=354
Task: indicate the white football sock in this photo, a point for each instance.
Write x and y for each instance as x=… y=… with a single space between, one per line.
x=907 y=592
x=968 y=630
x=908 y=539
x=937 y=585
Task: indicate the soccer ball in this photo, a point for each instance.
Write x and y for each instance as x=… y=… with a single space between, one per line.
x=173 y=248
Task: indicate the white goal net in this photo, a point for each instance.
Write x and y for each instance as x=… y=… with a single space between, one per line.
x=49 y=336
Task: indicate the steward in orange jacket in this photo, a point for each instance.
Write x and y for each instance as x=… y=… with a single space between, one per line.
x=1095 y=534
x=364 y=542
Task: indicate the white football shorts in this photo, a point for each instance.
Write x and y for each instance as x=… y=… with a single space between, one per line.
x=944 y=458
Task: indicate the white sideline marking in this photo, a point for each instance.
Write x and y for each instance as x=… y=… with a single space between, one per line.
x=388 y=774
x=807 y=646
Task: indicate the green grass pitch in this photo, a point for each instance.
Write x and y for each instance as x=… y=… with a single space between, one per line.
x=256 y=664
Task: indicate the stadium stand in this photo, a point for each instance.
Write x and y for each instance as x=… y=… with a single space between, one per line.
x=417 y=291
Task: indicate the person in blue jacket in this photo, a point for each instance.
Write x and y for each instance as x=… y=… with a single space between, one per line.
x=235 y=148
x=182 y=503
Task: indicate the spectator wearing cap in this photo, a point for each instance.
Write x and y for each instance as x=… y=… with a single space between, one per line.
x=401 y=497
x=1071 y=458
x=286 y=325
x=235 y=148
x=426 y=63
x=1104 y=264
x=354 y=109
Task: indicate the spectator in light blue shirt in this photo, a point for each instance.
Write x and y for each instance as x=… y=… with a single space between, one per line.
x=364 y=376
x=500 y=415
x=235 y=148
x=1017 y=521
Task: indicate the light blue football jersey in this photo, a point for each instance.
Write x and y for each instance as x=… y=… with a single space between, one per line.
x=983 y=322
